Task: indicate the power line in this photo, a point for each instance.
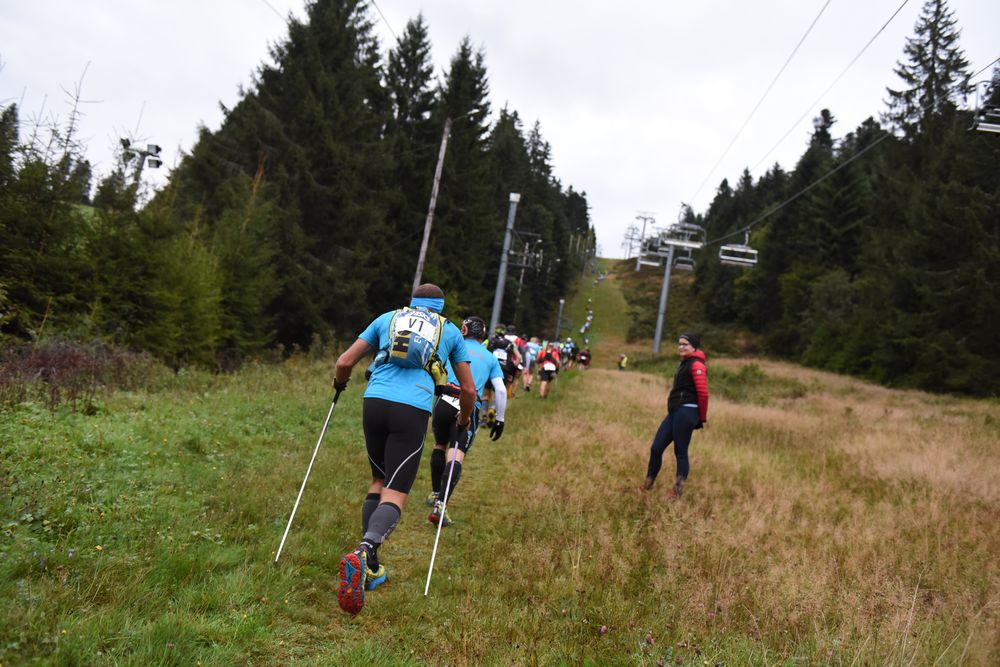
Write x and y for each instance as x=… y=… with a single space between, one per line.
x=833 y=171
x=760 y=101
x=830 y=87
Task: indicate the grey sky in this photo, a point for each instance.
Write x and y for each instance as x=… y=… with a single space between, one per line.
x=638 y=99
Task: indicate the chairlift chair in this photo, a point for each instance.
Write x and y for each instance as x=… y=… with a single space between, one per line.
x=684 y=263
x=651 y=257
x=738 y=254
x=650 y=252
x=986 y=118
x=684 y=235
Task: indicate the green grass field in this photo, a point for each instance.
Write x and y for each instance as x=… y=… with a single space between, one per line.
x=826 y=522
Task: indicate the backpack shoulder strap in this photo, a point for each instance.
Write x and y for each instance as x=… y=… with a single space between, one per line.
x=440 y=330
x=392 y=324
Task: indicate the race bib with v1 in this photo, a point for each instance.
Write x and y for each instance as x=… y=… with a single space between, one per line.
x=419 y=322
x=548 y=366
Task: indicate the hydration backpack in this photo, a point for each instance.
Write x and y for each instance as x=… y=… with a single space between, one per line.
x=414 y=336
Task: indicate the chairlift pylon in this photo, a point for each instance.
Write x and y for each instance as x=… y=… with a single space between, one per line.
x=738 y=254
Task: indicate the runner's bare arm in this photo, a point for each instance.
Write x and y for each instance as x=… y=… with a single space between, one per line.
x=468 y=398
x=346 y=361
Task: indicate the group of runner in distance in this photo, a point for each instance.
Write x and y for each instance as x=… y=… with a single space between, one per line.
x=427 y=368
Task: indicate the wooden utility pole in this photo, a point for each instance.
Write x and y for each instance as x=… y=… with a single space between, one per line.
x=430 y=209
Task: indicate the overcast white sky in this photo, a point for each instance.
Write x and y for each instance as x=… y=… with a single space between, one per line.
x=639 y=99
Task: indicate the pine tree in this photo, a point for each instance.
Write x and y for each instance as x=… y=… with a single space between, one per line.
x=934 y=77
x=539 y=154
x=790 y=247
x=41 y=249
x=509 y=156
x=936 y=242
x=317 y=119
x=468 y=225
x=729 y=212
x=245 y=249
x=409 y=76
x=8 y=143
x=79 y=182
x=414 y=139
x=125 y=257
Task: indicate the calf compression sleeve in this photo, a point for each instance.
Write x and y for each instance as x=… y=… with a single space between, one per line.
x=437 y=469
x=380 y=526
x=371 y=502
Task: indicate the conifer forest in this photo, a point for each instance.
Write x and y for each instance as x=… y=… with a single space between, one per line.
x=301 y=217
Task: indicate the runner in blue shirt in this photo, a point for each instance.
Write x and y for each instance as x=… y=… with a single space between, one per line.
x=485 y=369
x=534 y=348
x=397 y=404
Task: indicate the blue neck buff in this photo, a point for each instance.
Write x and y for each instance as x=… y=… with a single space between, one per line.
x=436 y=305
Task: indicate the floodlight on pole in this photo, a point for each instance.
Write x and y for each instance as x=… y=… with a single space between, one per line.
x=149 y=155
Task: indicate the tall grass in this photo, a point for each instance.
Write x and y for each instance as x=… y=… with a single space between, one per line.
x=826 y=521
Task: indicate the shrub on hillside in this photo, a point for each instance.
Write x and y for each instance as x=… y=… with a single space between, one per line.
x=747 y=384
x=59 y=371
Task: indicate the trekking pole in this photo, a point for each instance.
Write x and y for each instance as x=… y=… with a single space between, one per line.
x=308 y=470
x=444 y=507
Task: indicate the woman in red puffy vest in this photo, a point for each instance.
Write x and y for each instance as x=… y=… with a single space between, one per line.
x=687 y=410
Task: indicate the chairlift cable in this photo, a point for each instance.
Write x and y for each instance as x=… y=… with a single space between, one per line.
x=385 y=20
x=760 y=101
x=377 y=8
x=886 y=135
x=830 y=87
x=805 y=189
x=277 y=13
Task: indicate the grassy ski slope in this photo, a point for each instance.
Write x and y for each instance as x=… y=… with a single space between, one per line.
x=826 y=522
